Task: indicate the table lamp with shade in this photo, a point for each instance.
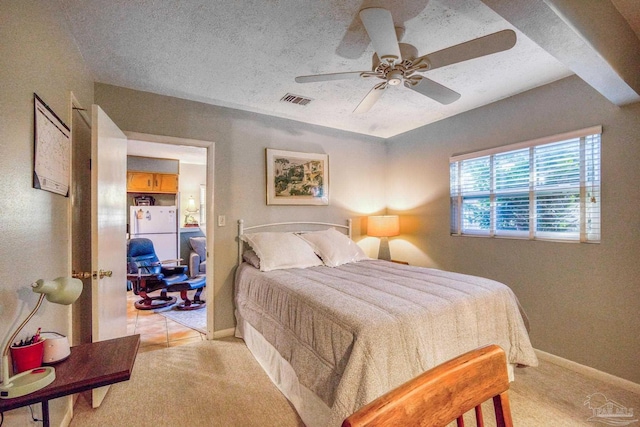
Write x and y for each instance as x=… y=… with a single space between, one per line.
x=189 y=218
x=383 y=226
x=63 y=290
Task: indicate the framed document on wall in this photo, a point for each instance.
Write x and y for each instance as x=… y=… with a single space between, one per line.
x=52 y=150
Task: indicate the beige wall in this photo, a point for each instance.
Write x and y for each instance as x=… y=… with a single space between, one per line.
x=36 y=55
x=582 y=299
x=356 y=167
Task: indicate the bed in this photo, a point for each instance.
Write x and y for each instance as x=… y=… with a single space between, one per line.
x=334 y=329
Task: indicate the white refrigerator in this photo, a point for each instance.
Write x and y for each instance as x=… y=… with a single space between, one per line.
x=160 y=225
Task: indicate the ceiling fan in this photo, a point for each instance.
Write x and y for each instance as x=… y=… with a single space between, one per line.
x=396 y=63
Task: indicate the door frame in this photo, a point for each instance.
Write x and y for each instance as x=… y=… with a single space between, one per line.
x=74 y=104
x=209 y=229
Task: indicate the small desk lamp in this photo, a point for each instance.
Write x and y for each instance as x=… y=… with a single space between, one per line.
x=63 y=290
x=383 y=226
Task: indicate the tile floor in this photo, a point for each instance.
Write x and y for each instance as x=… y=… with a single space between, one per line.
x=156 y=331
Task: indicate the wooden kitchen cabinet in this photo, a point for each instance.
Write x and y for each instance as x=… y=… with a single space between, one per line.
x=139 y=181
x=148 y=182
x=165 y=183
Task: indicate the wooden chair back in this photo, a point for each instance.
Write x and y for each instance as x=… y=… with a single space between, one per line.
x=444 y=393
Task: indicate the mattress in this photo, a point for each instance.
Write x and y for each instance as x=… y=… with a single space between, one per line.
x=354 y=332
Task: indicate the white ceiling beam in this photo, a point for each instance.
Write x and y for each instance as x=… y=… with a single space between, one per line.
x=589 y=36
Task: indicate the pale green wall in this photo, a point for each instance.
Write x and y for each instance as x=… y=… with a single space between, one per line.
x=356 y=167
x=583 y=300
x=36 y=55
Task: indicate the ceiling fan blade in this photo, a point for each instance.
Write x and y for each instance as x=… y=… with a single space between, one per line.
x=492 y=43
x=379 y=25
x=433 y=90
x=371 y=98
x=331 y=76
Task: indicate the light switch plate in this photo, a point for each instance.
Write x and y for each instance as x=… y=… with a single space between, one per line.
x=222 y=220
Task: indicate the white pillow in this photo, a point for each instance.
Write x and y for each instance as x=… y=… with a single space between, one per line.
x=278 y=250
x=334 y=247
x=251 y=258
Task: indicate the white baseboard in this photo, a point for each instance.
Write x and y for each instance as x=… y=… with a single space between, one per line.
x=224 y=333
x=589 y=372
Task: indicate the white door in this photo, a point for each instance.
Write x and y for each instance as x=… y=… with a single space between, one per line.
x=108 y=232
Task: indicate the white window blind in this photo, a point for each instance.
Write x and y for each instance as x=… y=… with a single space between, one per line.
x=543 y=189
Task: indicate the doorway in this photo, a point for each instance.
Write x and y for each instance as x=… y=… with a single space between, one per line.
x=80 y=227
x=164 y=327
x=192 y=154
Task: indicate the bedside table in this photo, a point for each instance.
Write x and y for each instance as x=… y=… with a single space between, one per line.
x=88 y=366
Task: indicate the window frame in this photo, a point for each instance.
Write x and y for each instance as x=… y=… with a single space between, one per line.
x=458 y=195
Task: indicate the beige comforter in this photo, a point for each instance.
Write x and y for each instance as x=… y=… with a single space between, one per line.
x=353 y=332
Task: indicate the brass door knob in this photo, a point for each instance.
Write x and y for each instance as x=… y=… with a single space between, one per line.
x=95 y=275
x=104 y=273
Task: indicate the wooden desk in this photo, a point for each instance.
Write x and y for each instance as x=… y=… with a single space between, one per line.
x=88 y=366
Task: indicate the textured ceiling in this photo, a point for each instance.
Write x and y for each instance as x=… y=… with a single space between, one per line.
x=246 y=54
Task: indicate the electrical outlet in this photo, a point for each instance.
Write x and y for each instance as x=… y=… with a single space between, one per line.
x=222 y=220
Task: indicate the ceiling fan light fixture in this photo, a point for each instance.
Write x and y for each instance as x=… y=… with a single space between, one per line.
x=395 y=63
x=394 y=77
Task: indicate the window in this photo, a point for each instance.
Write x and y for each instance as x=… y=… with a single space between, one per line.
x=203 y=205
x=544 y=189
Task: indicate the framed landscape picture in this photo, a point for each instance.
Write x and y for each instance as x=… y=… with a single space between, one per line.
x=295 y=178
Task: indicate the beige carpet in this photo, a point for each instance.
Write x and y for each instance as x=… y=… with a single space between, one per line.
x=218 y=383
x=211 y=383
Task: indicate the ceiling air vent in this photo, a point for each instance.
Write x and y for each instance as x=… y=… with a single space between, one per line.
x=295 y=99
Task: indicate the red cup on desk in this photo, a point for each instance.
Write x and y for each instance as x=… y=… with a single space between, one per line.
x=27 y=356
